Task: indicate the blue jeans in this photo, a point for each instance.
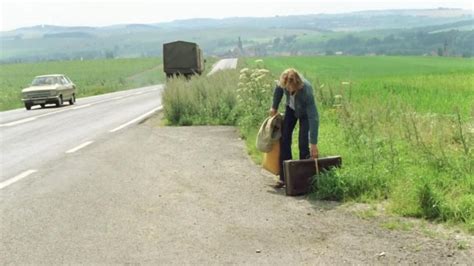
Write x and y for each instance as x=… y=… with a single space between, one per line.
x=289 y=123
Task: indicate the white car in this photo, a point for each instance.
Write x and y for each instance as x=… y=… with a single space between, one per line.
x=47 y=89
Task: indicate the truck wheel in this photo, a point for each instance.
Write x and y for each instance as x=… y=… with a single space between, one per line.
x=72 y=100
x=28 y=106
x=60 y=101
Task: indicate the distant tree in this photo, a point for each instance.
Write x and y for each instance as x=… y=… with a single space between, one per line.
x=276 y=41
x=329 y=52
x=373 y=41
x=389 y=39
x=440 y=51
x=288 y=39
x=109 y=54
x=445 y=48
x=116 y=50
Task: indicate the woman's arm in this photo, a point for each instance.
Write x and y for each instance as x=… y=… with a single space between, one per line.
x=313 y=115
x=277 y=95
x=313 y=119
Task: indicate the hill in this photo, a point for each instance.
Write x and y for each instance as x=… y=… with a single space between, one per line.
x=394 y=32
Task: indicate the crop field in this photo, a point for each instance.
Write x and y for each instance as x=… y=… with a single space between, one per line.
x=91 y=77
x=428 y=84
x=403 y=125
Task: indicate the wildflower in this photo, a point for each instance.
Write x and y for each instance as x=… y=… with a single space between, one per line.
x=258 y=61
x=244 y=70
x=345 y=83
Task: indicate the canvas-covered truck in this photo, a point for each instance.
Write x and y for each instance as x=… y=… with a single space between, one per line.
x=182 y=58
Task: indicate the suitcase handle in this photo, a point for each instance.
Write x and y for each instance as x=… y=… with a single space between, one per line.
x=317 y=166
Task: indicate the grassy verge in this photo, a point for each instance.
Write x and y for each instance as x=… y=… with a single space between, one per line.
x=201 y=100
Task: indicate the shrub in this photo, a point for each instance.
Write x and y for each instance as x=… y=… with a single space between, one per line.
x=201 y=100
x=254 y=96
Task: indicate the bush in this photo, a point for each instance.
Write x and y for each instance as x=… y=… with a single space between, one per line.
x=201 y=100
x=254 y=96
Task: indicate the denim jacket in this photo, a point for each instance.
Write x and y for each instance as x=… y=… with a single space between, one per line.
x=305 y=107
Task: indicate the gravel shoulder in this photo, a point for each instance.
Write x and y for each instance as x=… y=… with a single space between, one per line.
x=191 y=195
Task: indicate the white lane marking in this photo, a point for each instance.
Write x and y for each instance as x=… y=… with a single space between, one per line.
x=137 y=119
x=21 y=121
x=18 y=122
x=82 y=106
x=87 y=143
x=17 y=178
x=54 y=112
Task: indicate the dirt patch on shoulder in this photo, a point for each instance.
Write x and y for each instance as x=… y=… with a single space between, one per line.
x=227 y=212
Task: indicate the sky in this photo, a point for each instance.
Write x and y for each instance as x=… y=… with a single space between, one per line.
x=25 y=13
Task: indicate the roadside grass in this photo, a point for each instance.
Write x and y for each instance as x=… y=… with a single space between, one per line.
x=92 y=77
x=201 y=100
x=403 y=126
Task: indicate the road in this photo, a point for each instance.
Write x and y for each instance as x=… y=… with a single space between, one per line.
x=222 y=64
x=31 y=138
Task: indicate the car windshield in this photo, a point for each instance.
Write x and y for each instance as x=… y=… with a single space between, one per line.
x=39 y=81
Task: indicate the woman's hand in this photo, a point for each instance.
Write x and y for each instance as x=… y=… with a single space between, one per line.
x=272 y=112
x=314 y=151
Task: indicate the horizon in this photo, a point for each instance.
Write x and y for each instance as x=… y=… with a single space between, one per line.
x=22 y=14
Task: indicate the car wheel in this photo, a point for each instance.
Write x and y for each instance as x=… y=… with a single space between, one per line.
x=60 y=101
x=72 y=100
x=43 y=105
x=27 y=106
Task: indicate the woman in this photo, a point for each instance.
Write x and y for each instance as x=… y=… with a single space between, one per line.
x=300 y=105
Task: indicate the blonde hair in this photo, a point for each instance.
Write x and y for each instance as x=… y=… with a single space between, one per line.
x=291 y=80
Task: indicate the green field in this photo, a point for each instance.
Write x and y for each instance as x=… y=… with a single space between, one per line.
x=428 y=84
x=92 y=77
x=403 y=125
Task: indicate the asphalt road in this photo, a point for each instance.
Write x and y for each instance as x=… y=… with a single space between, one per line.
x=228 y=63
x=29 y=139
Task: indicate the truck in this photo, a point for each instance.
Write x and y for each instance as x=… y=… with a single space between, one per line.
x=182 y=58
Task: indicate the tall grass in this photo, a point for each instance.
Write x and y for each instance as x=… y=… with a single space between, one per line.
x=202 y=100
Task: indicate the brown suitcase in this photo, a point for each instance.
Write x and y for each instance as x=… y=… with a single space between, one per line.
x=299 y=173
